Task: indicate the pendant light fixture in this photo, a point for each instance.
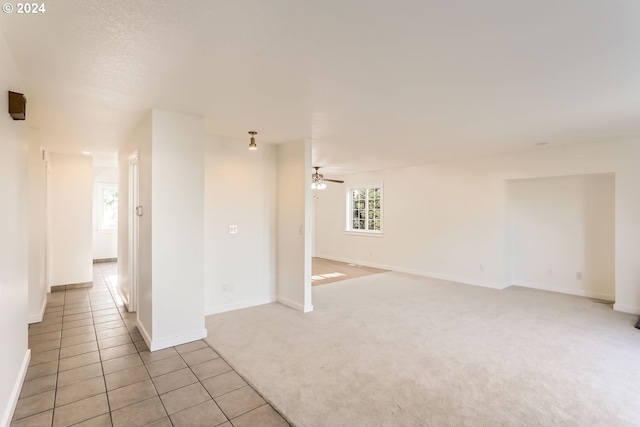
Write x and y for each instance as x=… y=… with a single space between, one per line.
x=252 y=144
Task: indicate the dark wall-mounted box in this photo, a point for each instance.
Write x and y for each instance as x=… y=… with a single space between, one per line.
x=17 y=106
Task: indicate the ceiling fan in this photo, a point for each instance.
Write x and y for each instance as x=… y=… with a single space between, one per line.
x=318 y=181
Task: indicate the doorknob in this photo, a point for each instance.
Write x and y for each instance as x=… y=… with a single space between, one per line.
x=139 y=210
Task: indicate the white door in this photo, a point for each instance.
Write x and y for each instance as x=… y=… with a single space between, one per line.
x=134 y=221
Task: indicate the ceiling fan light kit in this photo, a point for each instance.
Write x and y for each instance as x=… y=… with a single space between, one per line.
x=252 y=144
x=319 y=182
x=318 y=185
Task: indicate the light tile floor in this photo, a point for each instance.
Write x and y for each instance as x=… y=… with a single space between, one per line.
x=90 y=367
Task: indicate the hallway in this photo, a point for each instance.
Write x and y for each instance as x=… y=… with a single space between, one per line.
x=90 y=367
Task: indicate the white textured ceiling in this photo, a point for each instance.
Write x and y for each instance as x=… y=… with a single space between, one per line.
x=375 y=83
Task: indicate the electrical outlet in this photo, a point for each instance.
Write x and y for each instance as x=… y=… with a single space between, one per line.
x=233 y=229
x=226 y=287
x=579 y=275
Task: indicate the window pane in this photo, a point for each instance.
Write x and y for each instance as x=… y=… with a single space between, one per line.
x=365 y=209
x=109 y=209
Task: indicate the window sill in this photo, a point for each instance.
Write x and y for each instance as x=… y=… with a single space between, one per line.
x=364 y=233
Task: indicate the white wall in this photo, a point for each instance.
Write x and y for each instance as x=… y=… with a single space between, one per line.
x=170 y=149
x=191 y=193
x=71 y=219
x=139 y=141
x=444 y=220
x=559 y=227
x=294 y=221
x=449 y=220
x=14 y=285
x=240 y=189
x=178 y=228
x=193 y=186
x=37 y=228
x=105 y=243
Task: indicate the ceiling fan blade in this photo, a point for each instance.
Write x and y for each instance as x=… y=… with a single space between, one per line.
x=333 y=180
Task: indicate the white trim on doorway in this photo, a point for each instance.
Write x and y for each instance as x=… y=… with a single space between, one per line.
x=134 y=233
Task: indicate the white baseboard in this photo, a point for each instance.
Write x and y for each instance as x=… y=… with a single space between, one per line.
x=15 y=393
x=37 y=317
x=171 y=341
x=239 y=305
x=177 y=340
x=626 y=308
x=125 y=299
x=145 y=335
x=564 y=290
x=295 y=305
x=457 y=279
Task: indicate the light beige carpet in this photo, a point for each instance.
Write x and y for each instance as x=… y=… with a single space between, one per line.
x=398 y=350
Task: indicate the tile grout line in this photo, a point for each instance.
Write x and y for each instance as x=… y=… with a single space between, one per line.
x=227 y=419
x=143 y=364
x=60 y=358
x=55 y=390
x=130 y=337
x=88 y=298
x=268 y=402
x=248 y=384
x=202 y=385
x=102 y=293
x=104 y=377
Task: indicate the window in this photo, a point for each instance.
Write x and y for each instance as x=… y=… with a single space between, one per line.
x=364 y=209
x=109 y=208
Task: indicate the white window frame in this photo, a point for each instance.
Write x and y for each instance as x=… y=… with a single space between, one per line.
x=349 y=230
x=101 y=187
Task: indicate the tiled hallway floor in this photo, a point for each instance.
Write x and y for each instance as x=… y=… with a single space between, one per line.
x=90 y=367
